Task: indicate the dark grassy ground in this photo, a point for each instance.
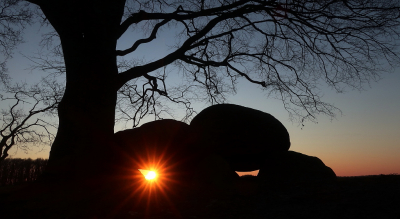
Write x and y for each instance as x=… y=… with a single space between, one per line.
x=352 y=197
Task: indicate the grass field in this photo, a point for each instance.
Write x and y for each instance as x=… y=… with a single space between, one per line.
x=352 y=197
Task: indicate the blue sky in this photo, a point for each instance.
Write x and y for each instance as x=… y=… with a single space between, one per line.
x=365 y=140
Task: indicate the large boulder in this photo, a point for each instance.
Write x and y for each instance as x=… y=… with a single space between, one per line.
x=163 y=145
x=291 y=167
x=213 y=175
x=241 y=135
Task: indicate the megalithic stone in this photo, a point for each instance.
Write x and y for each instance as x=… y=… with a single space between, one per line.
x=241 y=135
x=292 y=167
x=162 y=144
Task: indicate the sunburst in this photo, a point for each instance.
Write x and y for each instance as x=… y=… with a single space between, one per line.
x=149 y=174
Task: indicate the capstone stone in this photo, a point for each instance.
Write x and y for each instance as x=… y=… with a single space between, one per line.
x=241 y=135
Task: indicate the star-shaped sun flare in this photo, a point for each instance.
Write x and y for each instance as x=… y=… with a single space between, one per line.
x=149 y=174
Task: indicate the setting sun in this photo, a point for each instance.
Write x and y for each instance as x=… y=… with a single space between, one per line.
x=148 y=174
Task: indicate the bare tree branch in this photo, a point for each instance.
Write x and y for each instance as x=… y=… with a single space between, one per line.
x=289 y=48
x=14 y=15
x=21 y=122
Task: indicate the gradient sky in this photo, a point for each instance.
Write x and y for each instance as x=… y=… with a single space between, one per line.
x=365 y=140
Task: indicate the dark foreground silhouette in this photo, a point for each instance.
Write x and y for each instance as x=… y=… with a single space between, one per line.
x=197 y=178
x=220 y=140
x=352 y=197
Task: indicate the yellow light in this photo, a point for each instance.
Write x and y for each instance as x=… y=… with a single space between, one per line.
x=150 y=175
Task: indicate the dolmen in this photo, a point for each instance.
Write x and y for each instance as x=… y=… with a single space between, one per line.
x=220 y=140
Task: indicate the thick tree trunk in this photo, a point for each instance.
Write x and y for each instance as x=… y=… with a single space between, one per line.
x=87 y=30
x=86 y=121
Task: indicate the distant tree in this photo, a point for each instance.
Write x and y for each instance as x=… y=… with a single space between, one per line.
x=17 y=171
x=285 y=47
x=22 y=106
x=22 y=124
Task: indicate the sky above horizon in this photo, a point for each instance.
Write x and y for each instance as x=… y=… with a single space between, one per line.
x=365 y=140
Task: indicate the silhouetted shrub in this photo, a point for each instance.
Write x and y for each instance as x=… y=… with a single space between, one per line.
x=17 y=170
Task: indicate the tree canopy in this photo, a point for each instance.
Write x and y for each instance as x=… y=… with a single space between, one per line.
x=288 y=48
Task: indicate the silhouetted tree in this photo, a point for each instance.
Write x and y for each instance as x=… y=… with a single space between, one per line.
x=286 y=47
x=22 y=106
x=17 y=171
x=22 y=123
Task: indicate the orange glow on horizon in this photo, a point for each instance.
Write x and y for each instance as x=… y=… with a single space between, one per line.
x=253 y=173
